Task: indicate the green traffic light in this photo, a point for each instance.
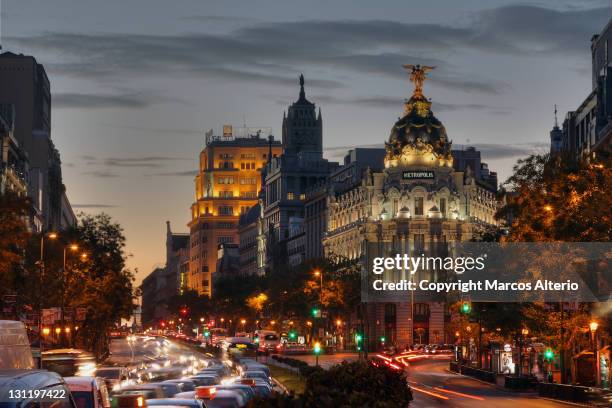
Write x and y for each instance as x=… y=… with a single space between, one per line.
x=358 y=338
x=315 y=312
x=292 y=335
x=465 y=307
x=548 y=354
x=382 y=339
x=206 y=333
x=317 y=348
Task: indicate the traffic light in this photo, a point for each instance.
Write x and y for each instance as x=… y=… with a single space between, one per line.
x=184 y=311
x=466 y=307
x=383 y=339
x=548 y=354
x=316 y=312
x=292 y=335
x=317 y=348
x=206 y=333
x=358 y=340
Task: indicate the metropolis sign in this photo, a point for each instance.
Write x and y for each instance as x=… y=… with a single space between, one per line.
x=418 y=175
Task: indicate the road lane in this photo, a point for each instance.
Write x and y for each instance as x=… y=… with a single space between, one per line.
x=433 y=386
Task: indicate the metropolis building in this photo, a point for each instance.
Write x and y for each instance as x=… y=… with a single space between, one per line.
x=415 y=200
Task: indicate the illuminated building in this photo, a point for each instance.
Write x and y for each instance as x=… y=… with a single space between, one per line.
x=422 y=194
x=226 y=186
x=289 y=177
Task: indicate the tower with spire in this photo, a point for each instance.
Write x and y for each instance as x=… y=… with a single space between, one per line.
x=302 y=128
x=556 y=137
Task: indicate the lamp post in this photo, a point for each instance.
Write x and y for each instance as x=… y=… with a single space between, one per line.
x=317 y=273
x=524 y=333
x=74 y=248
x=593 y=328
x=50 y=235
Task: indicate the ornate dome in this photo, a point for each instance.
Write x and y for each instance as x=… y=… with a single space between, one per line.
x=418 y=137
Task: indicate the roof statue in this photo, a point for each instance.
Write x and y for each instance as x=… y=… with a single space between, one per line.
x=418 y=138
x=417 y=77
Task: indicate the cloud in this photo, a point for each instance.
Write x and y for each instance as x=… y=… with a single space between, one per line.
x=494 y=151
x=270 y=53
x=166 y=131
x=150 y=162
x=190 y=173
x=392 y=102
x=100 y=174
x=218 y=19
x=96 y=101
x=489 y=151
x=93 y=206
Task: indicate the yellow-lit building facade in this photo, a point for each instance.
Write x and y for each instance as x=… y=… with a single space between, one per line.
x=226 y=186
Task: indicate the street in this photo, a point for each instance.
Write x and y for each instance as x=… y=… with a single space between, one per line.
x=434 y=386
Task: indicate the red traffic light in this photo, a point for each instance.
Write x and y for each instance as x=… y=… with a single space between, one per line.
x=184 y=311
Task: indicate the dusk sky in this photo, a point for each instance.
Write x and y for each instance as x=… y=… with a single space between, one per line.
x=135 y=84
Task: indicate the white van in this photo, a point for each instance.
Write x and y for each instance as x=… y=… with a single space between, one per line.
x=15 y=349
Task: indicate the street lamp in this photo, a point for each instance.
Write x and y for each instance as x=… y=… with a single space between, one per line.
x=317 y=273
x=593 y=328
x=72 y=247
x=52 y=236
x=524 y=333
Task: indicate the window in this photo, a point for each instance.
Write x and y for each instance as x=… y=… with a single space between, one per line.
x=205 y=282
x=225 y=225
x=226 y=156
x=419 y=244
x=204 y=254
x=225 y=180
x=205 y=268
x=443 y=207
x=226 y=210
x=418 y=206
x=248 y=181
x=248 y=194
x=226 y=194
x=225 y=240
x=204 y=239
x=290 y=196
x=247 y=156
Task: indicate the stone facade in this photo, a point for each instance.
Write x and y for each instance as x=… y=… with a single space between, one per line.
x=417 y=203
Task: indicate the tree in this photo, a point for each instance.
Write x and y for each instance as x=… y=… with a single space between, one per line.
x=102 y=283
x=14 y=235
x=357 y=384
x=557 y=199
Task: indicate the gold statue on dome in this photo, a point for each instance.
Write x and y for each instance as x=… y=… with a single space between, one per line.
x=417 y=76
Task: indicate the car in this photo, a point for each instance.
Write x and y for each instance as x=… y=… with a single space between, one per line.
x=185 y=384
x=88 y=392
x=170 y=389
x=260 y=387
x=214 y=398
x=252 y=365
x=27 y=379
x=146 y=390
x=186 y=395
x=246 y=389
x=256 y=374
x=115 y=377
x=175 y=402
x=201 y=380
x=69 y=362
x=267 y=340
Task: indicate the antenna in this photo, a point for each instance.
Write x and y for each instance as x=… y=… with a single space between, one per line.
x=1 y=15
x=556 y=123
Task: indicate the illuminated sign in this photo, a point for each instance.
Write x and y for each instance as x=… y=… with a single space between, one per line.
x=418 y=175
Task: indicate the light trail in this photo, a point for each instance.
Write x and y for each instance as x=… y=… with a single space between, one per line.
x=433 y=394
x=459 y=394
